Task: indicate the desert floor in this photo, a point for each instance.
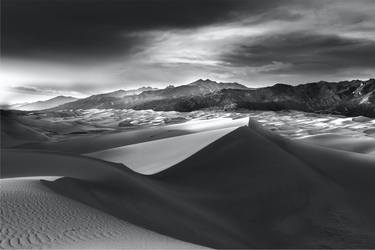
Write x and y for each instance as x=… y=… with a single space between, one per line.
x=287 y=179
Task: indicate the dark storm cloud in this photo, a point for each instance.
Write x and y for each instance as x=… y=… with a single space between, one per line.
x=276 y=13
x=35 y=88
x=84 y=46
x=38 y=28
x=22 y=89
x=43 y=87
x=101 y=28
x=305 y=52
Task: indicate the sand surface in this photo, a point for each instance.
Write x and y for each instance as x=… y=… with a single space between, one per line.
x=33 y=216
x=154 y=156
x=97 y=142
x=88 y=131
x=249 y=189
x=59 y=125
x=358 y=144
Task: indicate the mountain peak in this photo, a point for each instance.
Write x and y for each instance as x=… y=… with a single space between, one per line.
x=122 y=93
x=208 y=82
x=281 y=85
x=203 y=81
x=62 y=97
x=47 y=104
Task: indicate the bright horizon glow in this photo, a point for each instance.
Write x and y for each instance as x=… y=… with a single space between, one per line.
x=253 y=43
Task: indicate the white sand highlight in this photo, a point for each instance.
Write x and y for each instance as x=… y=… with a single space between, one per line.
x=32 y=216
x=199 y=125
x=154 y=156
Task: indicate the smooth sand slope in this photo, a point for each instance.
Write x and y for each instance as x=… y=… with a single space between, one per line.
x=14 y=133
x=157 y=155
x=98 y=142
x=249 y=189
x=32 y=216
x=363 y=144
x=83 y=132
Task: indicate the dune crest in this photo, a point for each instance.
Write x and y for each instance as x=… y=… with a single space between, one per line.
x=157 y=155
x=249 y=189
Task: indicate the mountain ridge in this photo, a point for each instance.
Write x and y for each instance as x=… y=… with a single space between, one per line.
x=349 y=98
x=108 y=100
x=46 y=104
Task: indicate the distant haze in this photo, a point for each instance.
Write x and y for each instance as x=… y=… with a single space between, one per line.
x=82 y=47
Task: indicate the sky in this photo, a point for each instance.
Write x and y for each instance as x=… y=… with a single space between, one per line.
x=83 y=47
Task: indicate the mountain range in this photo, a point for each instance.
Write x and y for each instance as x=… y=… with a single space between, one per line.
x=351 y=98
x=47 y=104
x=199 y=88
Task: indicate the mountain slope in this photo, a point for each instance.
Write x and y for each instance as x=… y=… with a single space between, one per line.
x=47 y=104
x=350 y=98
x=118 y=100
x=197 y=88
x=121 y=93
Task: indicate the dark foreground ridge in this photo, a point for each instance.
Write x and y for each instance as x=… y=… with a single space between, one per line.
x=249 y=189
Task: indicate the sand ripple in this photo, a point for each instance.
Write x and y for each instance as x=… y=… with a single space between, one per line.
x=32 y=216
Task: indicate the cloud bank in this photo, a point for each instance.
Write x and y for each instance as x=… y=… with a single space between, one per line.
x=94 y=45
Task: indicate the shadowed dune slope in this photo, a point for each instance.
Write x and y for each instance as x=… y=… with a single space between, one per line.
x=34 y=217
x=249 y=189
x=141 y=157
x=14 y=132
x=364 y=144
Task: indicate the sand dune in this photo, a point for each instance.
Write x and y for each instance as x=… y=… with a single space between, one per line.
x=249 y=189
x=370 y=132
x=93 y=143
x=140 y=157
x=154 y=156
x=200 y=125
x=95 y=130
x=363 y=144
x=14 y=133
x=32 y=216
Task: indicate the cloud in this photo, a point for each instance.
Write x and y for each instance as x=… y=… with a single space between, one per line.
x=304 y=52
x=90 y=46
x=35 y=90
x=22 y=89
x=98 y=28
